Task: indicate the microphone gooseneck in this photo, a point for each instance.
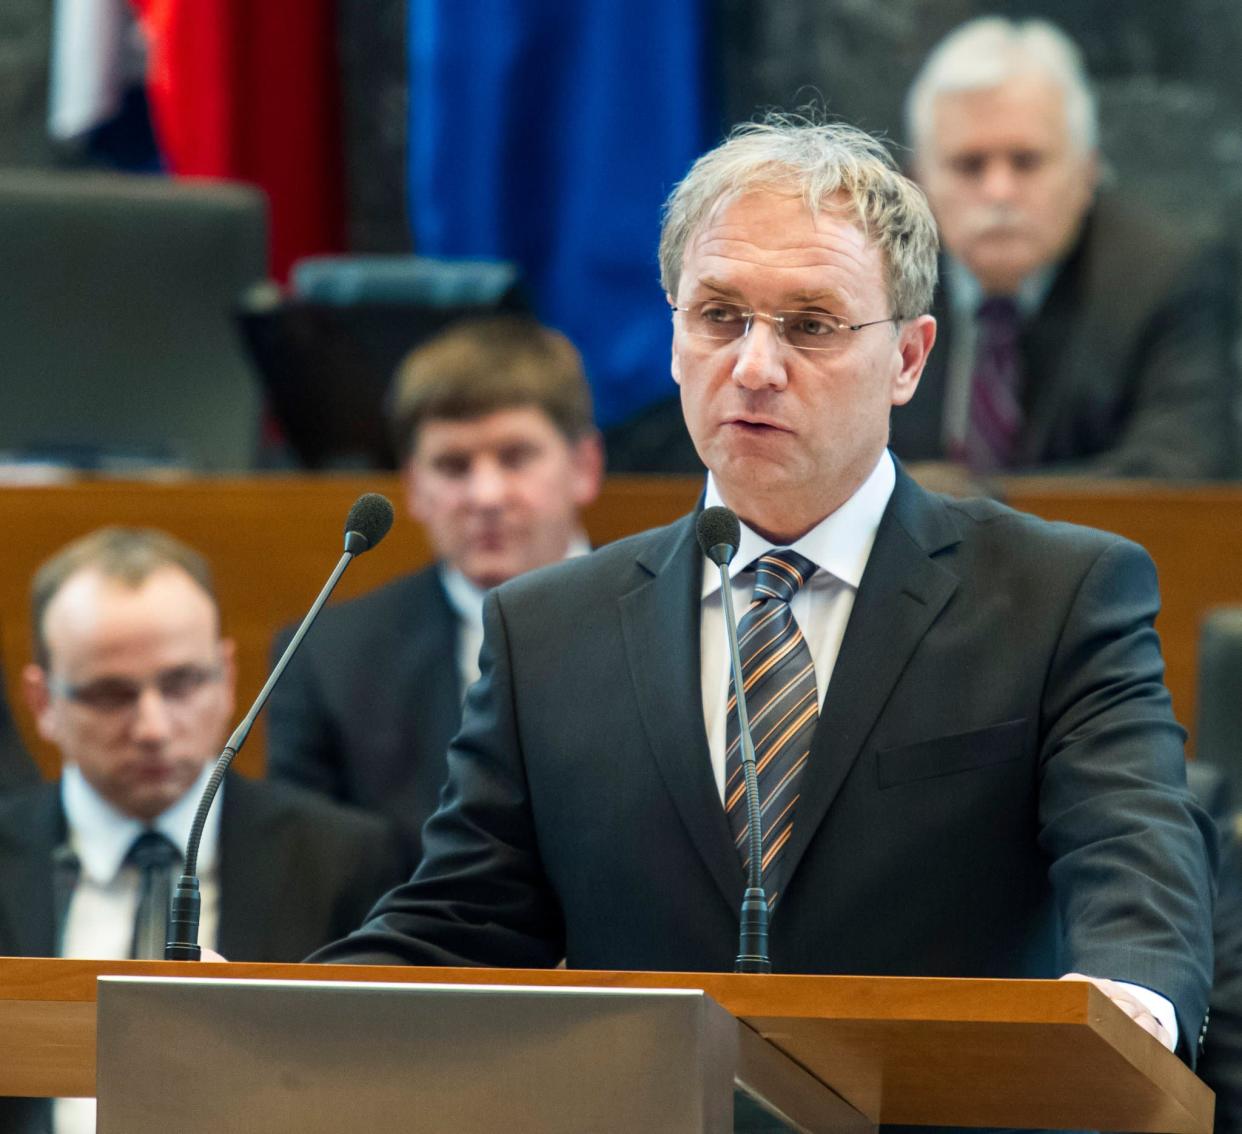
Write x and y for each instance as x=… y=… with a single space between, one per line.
x=719 y=533
x=368 y=522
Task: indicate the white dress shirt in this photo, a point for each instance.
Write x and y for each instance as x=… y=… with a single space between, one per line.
x=839 y=546
x=100 y=919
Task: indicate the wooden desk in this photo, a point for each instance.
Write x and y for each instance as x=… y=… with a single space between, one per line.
x=898 y=1049
x=273 y=540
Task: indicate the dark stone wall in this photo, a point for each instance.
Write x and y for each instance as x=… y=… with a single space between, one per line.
x=373 y=82
x=1168 y=75
x=25 y=36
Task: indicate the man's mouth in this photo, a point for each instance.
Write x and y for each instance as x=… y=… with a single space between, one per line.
x=757 y=425
x=490 y=541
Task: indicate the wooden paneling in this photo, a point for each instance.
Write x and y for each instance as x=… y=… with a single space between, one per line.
x=274 y=540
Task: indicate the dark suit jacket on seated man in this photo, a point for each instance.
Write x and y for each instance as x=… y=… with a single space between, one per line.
x=17 y=769
x=134 y=685
x=493 y=418
x=1220 y=1065
x=994 y=783
x=1123 y=360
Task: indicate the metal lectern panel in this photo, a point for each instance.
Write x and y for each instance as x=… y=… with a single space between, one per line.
x=312 y=1057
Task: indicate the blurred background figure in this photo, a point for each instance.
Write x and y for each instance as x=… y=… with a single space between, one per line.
x=133 y=684
x=1077 y=332
x=500 y=454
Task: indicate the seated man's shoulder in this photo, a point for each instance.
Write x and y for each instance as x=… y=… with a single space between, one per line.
x=1134 y=242
x=386 y=605
x=28 y=806
x=617 y=565
x=283 y=806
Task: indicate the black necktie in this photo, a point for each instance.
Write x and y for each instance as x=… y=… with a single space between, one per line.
x=155 y=857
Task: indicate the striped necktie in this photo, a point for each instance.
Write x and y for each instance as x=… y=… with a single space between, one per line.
x=783 y=707
x=155 y=856
x=995 y=392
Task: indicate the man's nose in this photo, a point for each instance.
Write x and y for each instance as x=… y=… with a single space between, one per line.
x=999 y=180
x=761 y=356
x=487 y=484
x=151 y=721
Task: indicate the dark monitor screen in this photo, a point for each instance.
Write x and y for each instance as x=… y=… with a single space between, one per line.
x=326 y=369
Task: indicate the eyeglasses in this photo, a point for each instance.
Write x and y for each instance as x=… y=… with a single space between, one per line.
x=176 y=686
x=802 y=330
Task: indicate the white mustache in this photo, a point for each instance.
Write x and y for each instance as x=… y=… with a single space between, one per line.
x=996 y=220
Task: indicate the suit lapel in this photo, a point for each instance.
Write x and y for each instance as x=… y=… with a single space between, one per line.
x=660 y=624
x=901 y=593
x=425 y=661
x=27 y=916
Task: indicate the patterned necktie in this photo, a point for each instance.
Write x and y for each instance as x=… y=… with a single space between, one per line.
x=155 y=856
x=782 y=705
x=995 y=399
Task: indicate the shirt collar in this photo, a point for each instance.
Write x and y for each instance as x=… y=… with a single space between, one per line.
x=464 y=597
x=839 y=544
x=966 y=293
x=467 y=600
x=101 y=836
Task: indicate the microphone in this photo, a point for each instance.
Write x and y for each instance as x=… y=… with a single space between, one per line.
x=719 y=534
x=368 y=522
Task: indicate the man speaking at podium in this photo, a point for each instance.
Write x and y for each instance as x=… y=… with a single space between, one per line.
x=969 y=765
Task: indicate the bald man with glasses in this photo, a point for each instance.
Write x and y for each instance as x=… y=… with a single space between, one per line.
x=134 y=684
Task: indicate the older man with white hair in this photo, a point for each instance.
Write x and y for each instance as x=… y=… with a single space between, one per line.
x=1077 y=332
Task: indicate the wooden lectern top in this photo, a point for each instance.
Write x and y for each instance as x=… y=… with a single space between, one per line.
x=926 y=1051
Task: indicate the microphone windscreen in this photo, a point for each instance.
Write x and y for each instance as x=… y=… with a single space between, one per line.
x=370 y=517
x=719 y=533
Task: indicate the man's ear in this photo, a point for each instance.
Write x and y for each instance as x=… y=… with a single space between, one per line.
x=587 y=462
x=410 y=485
x=38 y=700
x=675 y=366
x=915 y=338
x=228 y=670
x=1093 y=171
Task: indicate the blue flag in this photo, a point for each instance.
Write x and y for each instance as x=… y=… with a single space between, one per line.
x=549 y=133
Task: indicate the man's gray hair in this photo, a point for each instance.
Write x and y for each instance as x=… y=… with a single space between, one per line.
x=987 y=52
x=818 y=162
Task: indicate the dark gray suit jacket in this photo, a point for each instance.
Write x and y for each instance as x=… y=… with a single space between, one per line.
x=996 y=785
x=295 y=871
x=370 y=701
x=1127 y=366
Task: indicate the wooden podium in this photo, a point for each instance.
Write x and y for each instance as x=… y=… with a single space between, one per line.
x=904 y=1050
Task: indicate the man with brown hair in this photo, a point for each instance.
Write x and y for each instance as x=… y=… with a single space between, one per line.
x=499 y=453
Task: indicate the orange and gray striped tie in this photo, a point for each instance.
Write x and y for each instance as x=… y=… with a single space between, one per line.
x=782 y=706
